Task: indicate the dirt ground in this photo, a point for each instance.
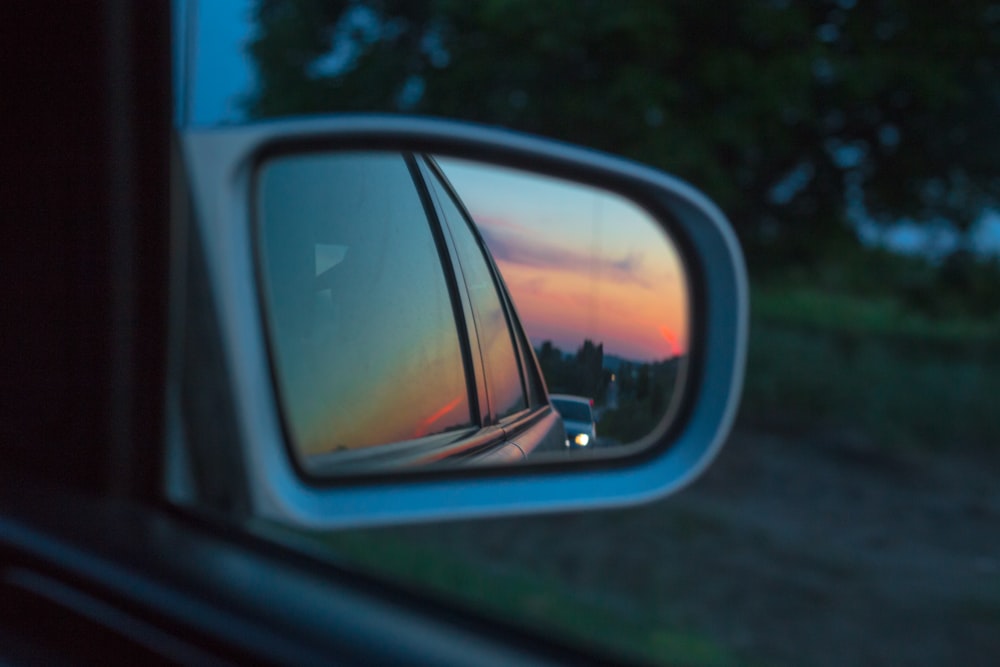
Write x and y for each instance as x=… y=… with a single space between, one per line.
x=812 y=550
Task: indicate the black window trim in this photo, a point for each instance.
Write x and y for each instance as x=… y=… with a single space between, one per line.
x=534 y=382
x=489 y=417
x=472 y=372
x=498 y=285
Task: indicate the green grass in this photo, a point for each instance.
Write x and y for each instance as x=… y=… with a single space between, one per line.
x=537 y=602
x=852 y=314
x=821 y=361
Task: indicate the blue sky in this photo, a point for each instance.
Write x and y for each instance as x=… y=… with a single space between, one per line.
x=222 y=72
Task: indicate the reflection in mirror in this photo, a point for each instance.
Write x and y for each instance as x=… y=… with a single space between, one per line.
x=601 y=293
x=407 y=299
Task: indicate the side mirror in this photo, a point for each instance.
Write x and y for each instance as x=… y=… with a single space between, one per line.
x=423 y=319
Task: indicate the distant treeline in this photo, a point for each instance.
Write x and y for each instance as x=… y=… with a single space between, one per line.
x=631 y=398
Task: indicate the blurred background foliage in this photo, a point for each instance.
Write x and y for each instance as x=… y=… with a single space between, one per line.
x=815 y=125
x=796 y=117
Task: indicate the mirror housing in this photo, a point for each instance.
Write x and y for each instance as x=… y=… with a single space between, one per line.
x=221 y=164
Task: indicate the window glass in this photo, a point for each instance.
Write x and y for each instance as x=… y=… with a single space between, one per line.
x=574 y=410
x=362 y=326
x=502 y=369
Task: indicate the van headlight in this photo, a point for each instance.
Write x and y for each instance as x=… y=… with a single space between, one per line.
x=583 y=439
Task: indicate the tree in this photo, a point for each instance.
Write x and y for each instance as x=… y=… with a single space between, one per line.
x=793 y=116
x=642 y=383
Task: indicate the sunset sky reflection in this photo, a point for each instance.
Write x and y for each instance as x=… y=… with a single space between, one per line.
x=580 y=263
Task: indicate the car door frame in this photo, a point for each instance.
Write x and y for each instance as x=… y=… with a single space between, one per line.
x=94 y=564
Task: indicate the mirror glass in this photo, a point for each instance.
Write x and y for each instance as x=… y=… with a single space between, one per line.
x=426 y=310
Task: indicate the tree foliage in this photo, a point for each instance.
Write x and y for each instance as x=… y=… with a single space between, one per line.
x=794 y=116
x=581 y=374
